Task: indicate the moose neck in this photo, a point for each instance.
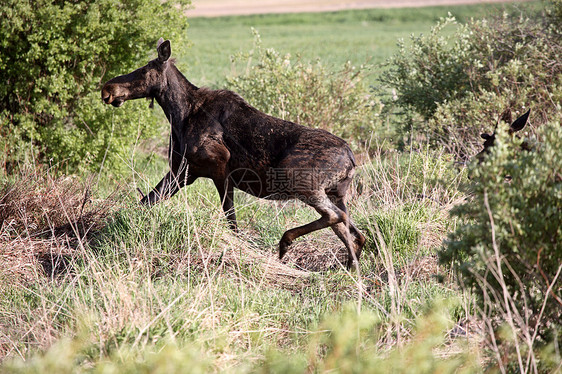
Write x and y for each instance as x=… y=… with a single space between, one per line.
x=177 y=96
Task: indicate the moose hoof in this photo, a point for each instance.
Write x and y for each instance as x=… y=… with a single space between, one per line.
x=350 y=264
x=283 y=247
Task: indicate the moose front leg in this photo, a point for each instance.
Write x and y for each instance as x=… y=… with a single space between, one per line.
x=166 y=188
x=175 y=179
x=226 y=194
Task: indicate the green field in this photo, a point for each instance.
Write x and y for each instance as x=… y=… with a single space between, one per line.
x=360 y=36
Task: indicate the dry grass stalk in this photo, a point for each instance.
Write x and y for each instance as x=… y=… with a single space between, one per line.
x=43 y=220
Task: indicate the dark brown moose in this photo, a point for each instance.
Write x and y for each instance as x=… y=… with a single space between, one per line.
x=216 y=134
x=489 y=139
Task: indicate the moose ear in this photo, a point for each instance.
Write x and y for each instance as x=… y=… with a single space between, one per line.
x=519 y=123
x=485 y=136
x=164 y=50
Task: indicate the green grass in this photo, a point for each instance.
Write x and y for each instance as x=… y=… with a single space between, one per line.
x=360 y=36
x=174 y=277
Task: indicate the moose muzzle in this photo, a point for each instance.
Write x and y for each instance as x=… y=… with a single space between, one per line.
x=110 y=95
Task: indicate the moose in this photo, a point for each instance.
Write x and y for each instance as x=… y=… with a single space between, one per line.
x=216 y=134
x=489 y=139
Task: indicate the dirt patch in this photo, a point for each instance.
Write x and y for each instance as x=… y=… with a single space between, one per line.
x=217 y=8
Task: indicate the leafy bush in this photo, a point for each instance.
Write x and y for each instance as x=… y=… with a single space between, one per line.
x=53 y=58
x=555 y=12
x=509 y=252
x=307 y=93
x=432 y=70
x=460 y=82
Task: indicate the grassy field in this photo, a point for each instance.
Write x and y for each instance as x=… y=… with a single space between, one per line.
x=360 y=36
x=118 y=288
x=95 y=283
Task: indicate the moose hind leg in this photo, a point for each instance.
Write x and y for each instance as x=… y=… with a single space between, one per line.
x=343 y=232
x=330 y=215
x=357 y=239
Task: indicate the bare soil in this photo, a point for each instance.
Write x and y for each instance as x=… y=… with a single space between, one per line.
x=217 y=8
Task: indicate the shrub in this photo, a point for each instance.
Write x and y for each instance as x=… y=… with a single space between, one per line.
x=432 y=70
x=555 y=12
x=509 y=251
x=53 y=58
x=460 y=82
x=307 y=93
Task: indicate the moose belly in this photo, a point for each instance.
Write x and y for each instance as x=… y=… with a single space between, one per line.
x=208 y=160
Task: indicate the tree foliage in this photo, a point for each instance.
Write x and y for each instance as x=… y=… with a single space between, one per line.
x=54 y=55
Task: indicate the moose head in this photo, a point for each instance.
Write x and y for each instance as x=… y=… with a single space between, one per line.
x=143 y=82
x=489 y=139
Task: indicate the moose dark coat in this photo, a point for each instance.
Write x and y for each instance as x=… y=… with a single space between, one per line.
x=217 y=135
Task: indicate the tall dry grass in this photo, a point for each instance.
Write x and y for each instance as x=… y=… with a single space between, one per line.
x=126 y=280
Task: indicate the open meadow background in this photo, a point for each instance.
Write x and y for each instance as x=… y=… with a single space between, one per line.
x=461 y=270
